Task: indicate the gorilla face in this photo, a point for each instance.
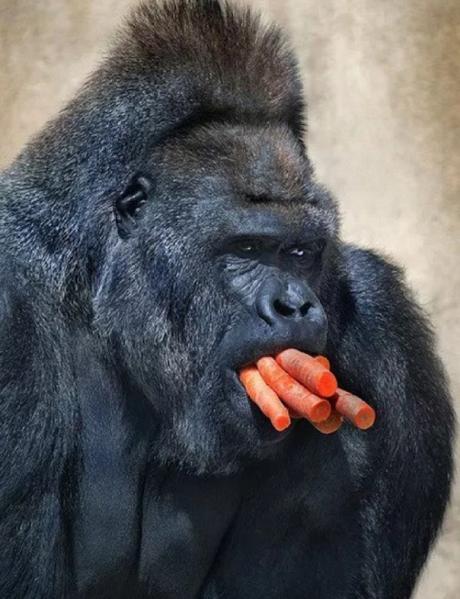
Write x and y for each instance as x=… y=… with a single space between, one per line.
x=218 y=258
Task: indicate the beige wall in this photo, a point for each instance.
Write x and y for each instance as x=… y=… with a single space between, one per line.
x=383 y=83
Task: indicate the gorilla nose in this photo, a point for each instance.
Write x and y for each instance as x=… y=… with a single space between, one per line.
x=278 y=301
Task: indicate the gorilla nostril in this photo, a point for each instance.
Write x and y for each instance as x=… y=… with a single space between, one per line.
x=305 y=308
x=283 y=309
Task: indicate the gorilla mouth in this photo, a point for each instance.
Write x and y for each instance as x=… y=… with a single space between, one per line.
x=245 y=345
x=250 y=354
x=253 y=339
x=236 y=395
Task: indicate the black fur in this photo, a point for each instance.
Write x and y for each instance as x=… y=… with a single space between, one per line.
x=145 y=239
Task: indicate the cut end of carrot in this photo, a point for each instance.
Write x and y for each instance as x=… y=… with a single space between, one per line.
x=331 y=425
x=281 y=423
x=321 y=411
x=327 y=384
x=365 y=418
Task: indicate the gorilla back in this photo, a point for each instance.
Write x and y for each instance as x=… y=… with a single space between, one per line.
x=163 y=231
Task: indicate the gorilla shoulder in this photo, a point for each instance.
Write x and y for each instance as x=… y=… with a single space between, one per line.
x=375 y=291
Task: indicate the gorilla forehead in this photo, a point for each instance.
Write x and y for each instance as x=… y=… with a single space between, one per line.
x=266 y=162
x=256 y=177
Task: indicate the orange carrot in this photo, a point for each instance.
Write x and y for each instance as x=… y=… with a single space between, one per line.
x=357 y=411
x=265 y=398
x=296 y=397
x=331 y=425
x=308 y=371
x=323 y=361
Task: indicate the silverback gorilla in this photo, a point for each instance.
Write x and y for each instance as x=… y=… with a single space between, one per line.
x=163 y=231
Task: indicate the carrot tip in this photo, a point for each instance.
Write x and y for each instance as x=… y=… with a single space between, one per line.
x=327 y=384
x=321 y=411
x=328 y=431
x=366 y=418
x=281 y=423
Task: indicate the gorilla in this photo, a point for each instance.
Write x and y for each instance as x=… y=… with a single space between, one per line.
x=163 y=231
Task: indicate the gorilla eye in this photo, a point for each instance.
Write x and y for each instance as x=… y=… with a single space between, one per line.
x=297 y=252
x=306 y=252
x=247 y=248
x=129 y=205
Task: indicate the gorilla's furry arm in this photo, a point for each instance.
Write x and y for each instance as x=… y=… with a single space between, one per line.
x=384 y=348
x=144 y=235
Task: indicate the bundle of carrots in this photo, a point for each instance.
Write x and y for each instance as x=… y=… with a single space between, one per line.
x=296 y=385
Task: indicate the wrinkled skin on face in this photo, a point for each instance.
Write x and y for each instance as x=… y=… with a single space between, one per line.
x=223 y=261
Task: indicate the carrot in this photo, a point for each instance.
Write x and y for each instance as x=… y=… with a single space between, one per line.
x=308 y=371
x=331 y=425
x=265 y=398
x=296 y=397
x=357 y=411
x=323 y=361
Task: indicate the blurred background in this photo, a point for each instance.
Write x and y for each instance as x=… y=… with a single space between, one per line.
x=382 y=80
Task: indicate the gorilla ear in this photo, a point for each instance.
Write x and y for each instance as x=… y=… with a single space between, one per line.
x=129 y=206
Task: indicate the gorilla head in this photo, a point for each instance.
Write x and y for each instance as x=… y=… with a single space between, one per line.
x=175 y=223
x=218 y=257
x=169 y=217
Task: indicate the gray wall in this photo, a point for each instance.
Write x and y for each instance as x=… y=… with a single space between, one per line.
x=383 y=84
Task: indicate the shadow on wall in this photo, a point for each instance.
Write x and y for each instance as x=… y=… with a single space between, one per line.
x=382 y=81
